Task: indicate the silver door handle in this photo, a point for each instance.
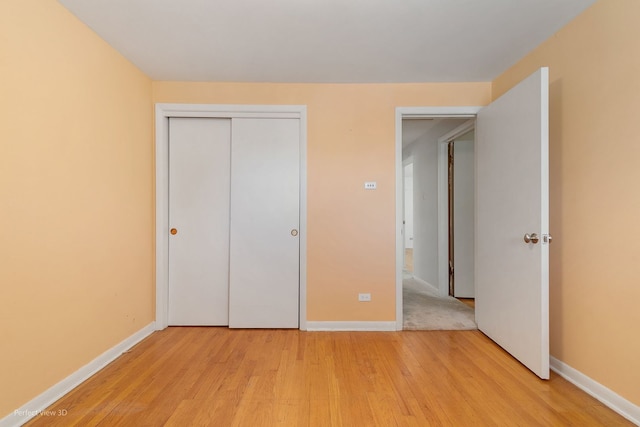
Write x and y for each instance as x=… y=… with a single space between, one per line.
x=294 y=232
x=531 y=238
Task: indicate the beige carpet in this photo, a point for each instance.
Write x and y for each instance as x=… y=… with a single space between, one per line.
x=425 y=310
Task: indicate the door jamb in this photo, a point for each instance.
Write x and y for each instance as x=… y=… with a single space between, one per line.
x=414 y=112
x=162 y=114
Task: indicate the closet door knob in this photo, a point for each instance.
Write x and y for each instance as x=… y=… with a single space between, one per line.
x=173 y=231
x=294 y=232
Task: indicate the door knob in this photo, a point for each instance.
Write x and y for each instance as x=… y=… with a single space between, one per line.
x=294 y=232
x=531 y=238
x=173 y=231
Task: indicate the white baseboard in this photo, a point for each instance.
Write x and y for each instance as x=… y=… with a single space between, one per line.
x=38 y=405
x=350 y=326
x=608 y=397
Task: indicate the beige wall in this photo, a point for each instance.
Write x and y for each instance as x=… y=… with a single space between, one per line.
x=76 y=169
x=351 y=139
x=595 y=200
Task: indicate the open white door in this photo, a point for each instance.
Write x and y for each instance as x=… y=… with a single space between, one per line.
x=512 y=186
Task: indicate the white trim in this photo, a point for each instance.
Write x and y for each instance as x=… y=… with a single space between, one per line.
x=302 y=305
x=351 y=326
x=593 y=388
x=163 y=113
x=443 y=205
x=231 y=110
x=54 y=393
x=162 y=215
x=409 y=112
x=399 y=218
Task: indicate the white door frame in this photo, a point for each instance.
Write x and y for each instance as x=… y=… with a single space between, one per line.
x=416 y=112
x=162 y=114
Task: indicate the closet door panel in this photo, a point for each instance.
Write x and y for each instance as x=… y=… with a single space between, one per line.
x=264 y=244
x=199 y=186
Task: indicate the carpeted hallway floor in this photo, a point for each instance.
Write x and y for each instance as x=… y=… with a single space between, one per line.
x=424 y=309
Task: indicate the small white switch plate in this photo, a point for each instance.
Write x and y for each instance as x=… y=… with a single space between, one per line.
x=372 y=185
x=364 y=297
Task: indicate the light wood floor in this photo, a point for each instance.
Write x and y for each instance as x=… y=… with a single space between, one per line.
x=471 y=302
x=408 y=260
x=221 y=377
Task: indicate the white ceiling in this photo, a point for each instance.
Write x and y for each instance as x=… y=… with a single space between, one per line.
x=341 y=41
x=414 y=130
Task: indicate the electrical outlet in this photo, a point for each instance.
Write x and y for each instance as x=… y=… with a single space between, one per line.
x=364 y=297
x=372 y=185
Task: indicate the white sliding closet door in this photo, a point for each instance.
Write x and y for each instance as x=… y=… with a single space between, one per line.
x=199 y=185
x=264 y=247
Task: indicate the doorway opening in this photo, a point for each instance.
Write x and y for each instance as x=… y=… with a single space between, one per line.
x=426 y=138
x=461 y=192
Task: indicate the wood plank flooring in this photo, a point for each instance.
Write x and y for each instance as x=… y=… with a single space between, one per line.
x=189 y=376
x=408 y=260
x=471 y=302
